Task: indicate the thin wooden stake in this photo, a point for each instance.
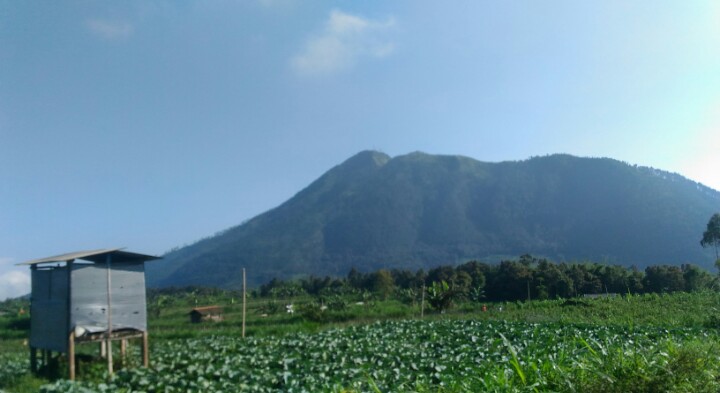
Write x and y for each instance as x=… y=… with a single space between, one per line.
x=422 y=303
x=244 y=303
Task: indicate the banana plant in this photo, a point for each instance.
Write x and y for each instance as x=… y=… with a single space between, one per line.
x=440 y=295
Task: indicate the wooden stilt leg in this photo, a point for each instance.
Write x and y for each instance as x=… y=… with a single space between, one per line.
x=46 y=355
x=123 y=349
x=145 y=350
x=71 y=356
x=33 y=360
x=109 y=357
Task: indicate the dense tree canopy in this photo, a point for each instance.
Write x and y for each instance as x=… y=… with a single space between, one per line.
x=509 y=280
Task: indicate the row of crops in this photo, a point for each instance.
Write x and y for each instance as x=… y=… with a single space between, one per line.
x=432 y=356
x=13 y=365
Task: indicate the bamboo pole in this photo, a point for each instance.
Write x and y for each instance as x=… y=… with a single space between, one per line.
x=123 y=351
x=244 y=303
x=71 y=337
x=71 y=355
x=109 y=317
x=145 y=350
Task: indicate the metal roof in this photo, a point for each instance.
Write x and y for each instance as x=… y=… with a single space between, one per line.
x=95 y=256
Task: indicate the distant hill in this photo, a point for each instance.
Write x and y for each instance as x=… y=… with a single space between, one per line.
x=420 y=210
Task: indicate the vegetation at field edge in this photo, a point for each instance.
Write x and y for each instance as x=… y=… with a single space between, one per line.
x=625 y=343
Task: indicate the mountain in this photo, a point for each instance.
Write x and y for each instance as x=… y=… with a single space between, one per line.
x=420 y=210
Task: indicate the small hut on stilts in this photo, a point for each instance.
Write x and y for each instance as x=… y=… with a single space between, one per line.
x=87 y=296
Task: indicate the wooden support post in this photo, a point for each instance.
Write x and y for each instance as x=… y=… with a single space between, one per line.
x=103 y=349
x=47 y=356
x=145 y=350
x=123 y=350
x=244 y=302
x=71 y=355
x=33 y=350
x=69 y=327
x=33 y=360
x=109 y=315
x=109 y=356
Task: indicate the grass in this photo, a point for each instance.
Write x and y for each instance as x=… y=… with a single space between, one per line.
x=670 y=310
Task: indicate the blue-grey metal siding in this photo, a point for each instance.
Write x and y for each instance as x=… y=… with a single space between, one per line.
x=49 y=309
x=89 y=296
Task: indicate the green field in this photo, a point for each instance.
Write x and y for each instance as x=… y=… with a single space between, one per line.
x=641 y=343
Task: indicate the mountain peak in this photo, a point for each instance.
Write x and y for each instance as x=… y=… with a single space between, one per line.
x=366 y=158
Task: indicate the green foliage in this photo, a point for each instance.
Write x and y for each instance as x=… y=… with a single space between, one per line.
x=421 y=356
x=533 y=278
x=663 y=278
x=409 y=295
x=382 y=283
x=14 y=367
x=337 y=303
x=330 y=309
x=476 y=294
x=713 y=321
x=711 y=236
x=269 y=308
x=440 y=295
x=636 y=343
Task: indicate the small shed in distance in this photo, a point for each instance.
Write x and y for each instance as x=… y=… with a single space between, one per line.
x=207 y=313
x=86 y=296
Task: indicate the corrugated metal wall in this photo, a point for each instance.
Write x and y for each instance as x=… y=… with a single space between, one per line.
x=89 y=296
x=49 y=309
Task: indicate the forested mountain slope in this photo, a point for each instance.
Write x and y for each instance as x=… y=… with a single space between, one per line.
x=421 y=210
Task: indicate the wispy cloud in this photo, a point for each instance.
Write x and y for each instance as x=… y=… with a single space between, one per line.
x=344 y=40
x=111 y=30
x=14 y=282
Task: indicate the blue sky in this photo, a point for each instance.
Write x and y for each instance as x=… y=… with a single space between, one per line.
x=151 y=124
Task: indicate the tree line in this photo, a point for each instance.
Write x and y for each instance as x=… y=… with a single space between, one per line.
x=525 y=278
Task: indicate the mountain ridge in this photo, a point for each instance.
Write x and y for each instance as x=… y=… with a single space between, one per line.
x=420 y=210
